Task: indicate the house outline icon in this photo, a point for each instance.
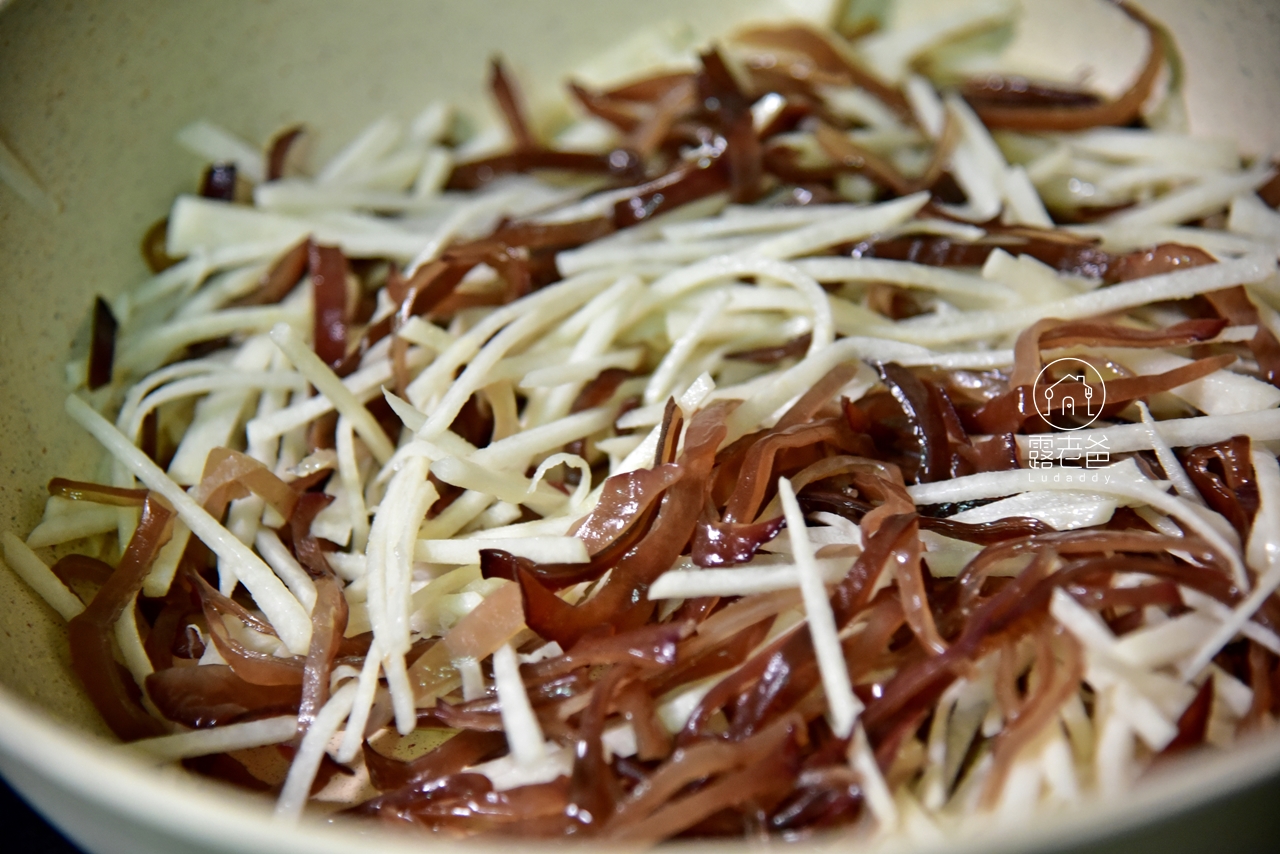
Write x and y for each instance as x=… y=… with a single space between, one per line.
x=1069 y=403
x=1078 y=371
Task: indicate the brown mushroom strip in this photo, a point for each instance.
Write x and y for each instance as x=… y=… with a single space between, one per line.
x=476 y=173
x=464 y=749
x=1223 y=475
x=212 y=695
x=219 y=182
x=90 y=631
x=278 y=153
x=328 y=268
x=797 y=346
x=927 y=427
x=1034 y=116
x=509 y=102
x=102 y=349
x=254 y=667
x=678 y=187
x=152 y=247
x=75 y=568
x=98 y=493
x=1193 y=723
x=851 y=157
x=819 y=51
x=328 y=622
x=621 y=600
x=281 y=278
x=1235 y=305
x=1056 y=684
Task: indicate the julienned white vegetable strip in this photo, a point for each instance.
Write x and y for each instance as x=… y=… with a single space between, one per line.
x=459 y=552
x=890 y=51
x=740 y=581
x=681 y=282
x=279 y=558
x=157 y=582
x=399 y=571
x=437 y=378
x=212 y=381
x=202 y=742
x=1195 y=201
x=1180 y=284
x=508 y=486
x=1121 y=479
x=364 y=384
x=664 y=375
x=389 y=557
x=904 y=273
x=150 y=349
x=377 y=140
x=841 y=702
x=129 y=640
x=330 y=385
x=578 y=500
x=302 y=771
x=352 y=483
x=287 y=617
x=1223 y=392
x=863 y=762
x=1219 y=612
x=1263 y=426
x=217 y=417
x=541 y=309
x=840 y=229
x=1263 y=553
x=84 y=522
x=362 y=704
x=752 y=220
x=31 y=569
x=216 y=145
x=1172 y=468
x=523 y=731
x=196 y=223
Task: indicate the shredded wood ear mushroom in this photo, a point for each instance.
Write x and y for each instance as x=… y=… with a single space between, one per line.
x=794 y=443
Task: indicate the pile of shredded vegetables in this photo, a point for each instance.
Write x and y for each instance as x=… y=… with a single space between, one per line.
x=680 y=476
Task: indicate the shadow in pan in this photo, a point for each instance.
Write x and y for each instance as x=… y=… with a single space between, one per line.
x=1249 y=824
x=25 y=831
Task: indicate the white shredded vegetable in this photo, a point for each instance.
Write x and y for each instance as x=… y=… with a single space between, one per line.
x=202 y=742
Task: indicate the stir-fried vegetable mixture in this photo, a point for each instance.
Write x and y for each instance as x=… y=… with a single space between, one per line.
x=687 y=474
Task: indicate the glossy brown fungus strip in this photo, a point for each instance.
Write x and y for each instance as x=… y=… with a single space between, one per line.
x=213 y=695
x=328 y=268
x=816 y=52
x=90 y=632
x=328 y=622
x=219 y=182
x=152 y=247
x=98 y=493
x=1033 y=114
x=102 y=347
x=282 y=144
x=460 y=751
x=927 y=427
x=281 y=278
x=251 y=665
x=1235 y=305
x=1223 y=475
